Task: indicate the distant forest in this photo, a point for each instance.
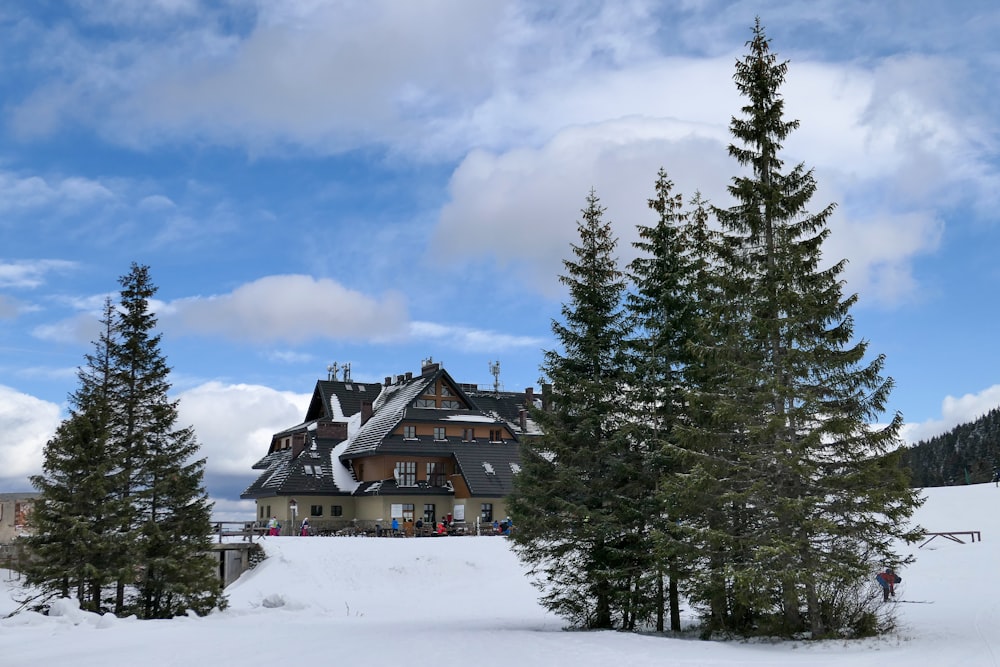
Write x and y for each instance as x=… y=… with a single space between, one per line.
x=965 y=455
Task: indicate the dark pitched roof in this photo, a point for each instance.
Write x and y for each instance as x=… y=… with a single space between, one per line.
x=310 y=472
x=505 y=406
x=347 y=394
x=488 y=468
x=389 y=409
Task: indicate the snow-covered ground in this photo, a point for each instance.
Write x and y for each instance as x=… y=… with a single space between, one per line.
x=466 y=601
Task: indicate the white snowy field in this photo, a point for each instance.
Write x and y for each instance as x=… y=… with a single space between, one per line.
x=465 y=600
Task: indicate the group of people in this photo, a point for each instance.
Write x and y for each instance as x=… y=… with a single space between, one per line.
x=503 y=527
x=274 y=528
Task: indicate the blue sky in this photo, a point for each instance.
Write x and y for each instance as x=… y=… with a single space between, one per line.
x=379 y=182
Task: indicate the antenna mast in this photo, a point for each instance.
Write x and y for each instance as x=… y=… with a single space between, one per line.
x=495 y=372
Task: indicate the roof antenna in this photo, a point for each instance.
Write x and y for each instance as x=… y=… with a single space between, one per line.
x=495 y=372
x=331 y=371
x=347 y=372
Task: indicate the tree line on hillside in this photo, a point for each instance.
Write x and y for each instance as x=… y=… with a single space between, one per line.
x=709 y=436
x=968 y=454
x=123 y=520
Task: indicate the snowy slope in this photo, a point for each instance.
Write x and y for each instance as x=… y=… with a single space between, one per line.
x=455 y=601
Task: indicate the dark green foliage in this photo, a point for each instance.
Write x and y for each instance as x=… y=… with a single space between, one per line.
x=123 y=523
x=577 y=501
x=719 y=442
x=972 y=449
x=807 y=500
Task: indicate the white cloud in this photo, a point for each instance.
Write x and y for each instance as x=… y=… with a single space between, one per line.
x=27 y=424
x=954 y=412
x=234 y=423
x=28 y=274
x=291 y=308
x=18 y=193
x=473 y=340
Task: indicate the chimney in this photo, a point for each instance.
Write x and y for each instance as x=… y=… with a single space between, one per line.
x=298 y=444
x=332 y=431
x=388 y=380
x=399 y=379
x=430 y=368
x=523 y=417
x=529 y=397
x=366 y=411
x=409 y=375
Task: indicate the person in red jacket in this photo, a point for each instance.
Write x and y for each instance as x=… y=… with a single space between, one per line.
x=888 y=580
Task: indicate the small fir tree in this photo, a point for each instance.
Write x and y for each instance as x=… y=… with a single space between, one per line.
x=576 y=497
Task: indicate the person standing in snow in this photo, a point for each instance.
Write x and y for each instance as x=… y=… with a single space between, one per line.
x=395 y=526
x=888 y=580
x=305 y=528
x=272 y=526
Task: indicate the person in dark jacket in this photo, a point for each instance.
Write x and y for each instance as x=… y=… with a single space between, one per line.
x=888 y=580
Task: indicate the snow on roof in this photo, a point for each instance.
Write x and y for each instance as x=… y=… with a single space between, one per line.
x=472 y=417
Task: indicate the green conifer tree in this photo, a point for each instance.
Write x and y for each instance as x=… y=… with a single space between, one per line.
x=76 y=539
x=664 y=313
x=575 y=499
x=816 y=502
x=160 y=478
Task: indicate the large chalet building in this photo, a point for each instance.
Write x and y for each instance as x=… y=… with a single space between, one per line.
x=414 y=447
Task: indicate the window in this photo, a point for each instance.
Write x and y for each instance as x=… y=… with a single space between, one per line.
x=268 y=512
x=486 y=512
x=261 y=508
x=336 y=510
x=406 y=473
x=454 y=405
x=425 y=403
x=435 y=474
x=469 y=435
x=429 y=515
x=439 y=433
x=407 y=511
x=445 y=391
x=315 y=510
x=496 y=435
x=410 y=432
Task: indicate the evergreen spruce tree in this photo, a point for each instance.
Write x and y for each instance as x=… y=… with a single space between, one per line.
x=76 y=538
x=664 y=313
x=812 y=505
x=578 y=500
x=160 y=478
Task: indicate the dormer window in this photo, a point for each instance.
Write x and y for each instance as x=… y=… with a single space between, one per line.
x=496 y=435
x=439 y=433
x=410 y=432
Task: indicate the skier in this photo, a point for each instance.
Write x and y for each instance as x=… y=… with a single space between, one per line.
x=888 y=580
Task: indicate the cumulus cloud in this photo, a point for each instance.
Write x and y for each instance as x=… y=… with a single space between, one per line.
x=291 y=308
x=33 y=273
x=27 y=424
x=954 y=411
x=234 y=422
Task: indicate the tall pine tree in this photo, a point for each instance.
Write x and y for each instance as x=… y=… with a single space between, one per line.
x=577 y=499
x=123 y=522
x=814 y=505
x=160 y=476
x=664 y=313
x=77 y=539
